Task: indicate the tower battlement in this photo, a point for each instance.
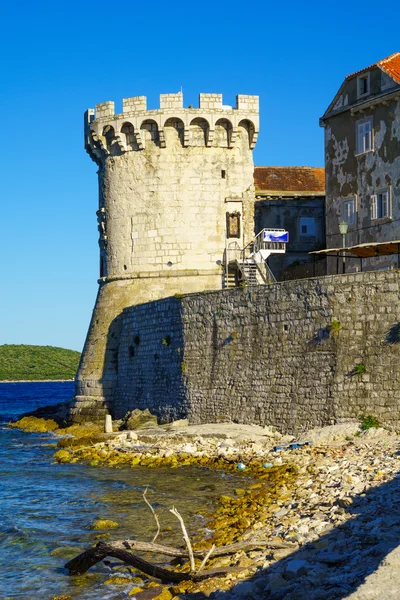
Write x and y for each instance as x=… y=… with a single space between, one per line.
x=107 y=133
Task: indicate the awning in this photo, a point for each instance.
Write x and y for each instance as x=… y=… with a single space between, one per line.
x=364 y=250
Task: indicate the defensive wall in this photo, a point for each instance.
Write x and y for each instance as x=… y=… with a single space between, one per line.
x=295 y=354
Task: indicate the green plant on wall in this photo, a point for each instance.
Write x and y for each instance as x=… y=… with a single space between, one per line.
x=360 y=369
x=167 y=340
x=234 y=335
x=183 y=367
x=335 y=326
x=368 y=422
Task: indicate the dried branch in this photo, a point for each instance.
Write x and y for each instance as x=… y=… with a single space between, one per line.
x=154 y=515
x=186 y=538
x=83 y=562
x=207 y=556
x=132 y=544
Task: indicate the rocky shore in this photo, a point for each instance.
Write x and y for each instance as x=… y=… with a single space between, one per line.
x=333 y=505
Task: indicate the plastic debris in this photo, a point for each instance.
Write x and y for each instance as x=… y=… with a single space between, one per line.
x=292 y=445
x=267 y=465
x=241 y=466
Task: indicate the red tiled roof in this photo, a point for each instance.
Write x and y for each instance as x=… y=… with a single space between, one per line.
x=390 y=64
x=290 y=179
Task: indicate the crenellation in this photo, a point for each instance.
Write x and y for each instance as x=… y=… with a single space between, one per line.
x=104 y=110
x=134 y=104
x=171 y=101
x=245 y=102
x=210 y=101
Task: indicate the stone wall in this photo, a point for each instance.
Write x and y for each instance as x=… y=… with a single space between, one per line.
x=268 y=354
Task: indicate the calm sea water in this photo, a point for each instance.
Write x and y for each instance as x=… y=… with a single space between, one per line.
x=46 y=509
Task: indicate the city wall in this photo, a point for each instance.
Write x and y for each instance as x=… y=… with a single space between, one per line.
x=294 y=355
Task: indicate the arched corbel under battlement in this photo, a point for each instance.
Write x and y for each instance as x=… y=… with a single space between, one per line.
x=223 y=133
x=128 y=137
x=199 y=132
x=174 y=131
x=249 y=127
x=149 y=133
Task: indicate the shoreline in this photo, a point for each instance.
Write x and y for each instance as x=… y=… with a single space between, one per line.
x=35 y=380
x=334 y=504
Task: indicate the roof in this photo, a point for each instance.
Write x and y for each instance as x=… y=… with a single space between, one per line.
x=290 y=179
x=365 y=250
x=390 y=64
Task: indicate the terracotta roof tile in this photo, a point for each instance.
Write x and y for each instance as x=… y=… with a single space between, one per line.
x=390 y=64
x=290 y=179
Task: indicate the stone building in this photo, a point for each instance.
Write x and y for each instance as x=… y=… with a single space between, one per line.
x=292 y=198
x=175 y=187
x=362 y=159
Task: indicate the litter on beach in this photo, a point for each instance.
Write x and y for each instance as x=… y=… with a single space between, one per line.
x=292 y=445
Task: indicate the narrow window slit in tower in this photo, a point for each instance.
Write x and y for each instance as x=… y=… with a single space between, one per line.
x=223 y=174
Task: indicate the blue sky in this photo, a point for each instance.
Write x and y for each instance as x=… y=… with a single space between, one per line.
x=60 y=59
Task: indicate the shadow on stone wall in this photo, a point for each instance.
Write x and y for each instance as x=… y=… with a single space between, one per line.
x=144 y=361
x=336 y=564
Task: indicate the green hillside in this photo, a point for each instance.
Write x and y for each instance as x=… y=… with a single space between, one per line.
x=20 y=362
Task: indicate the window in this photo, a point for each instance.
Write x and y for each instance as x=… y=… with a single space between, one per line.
x=349 y=211
x=233 y=225
x=380 y=205
x=364 y=135
x=362 y=85
x=308 y=228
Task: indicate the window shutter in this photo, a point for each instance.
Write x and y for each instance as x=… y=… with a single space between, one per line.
x=385 y=204
x=374 y=207
x=368 y=137
x=359 y=138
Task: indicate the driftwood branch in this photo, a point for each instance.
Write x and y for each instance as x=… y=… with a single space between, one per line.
x=131 y=544
x=154 y=515
x=185 y=537
x=207 y=556
x=83 y=562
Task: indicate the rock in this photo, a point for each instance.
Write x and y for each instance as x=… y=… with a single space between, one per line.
x=118 y=580
x=104 y=524
x=373 y=432
x=131 y=435
x=281 y=513
x=227 y=443
x=179 y=423
x=345 y=502
x=188 y=448
x=35 y=424
x=296 y=568
x=276 y=582
x=332 y=558
x=332 y=433
x=140 y=419
x=282 y=553
x=62 y=456
x=243 y=589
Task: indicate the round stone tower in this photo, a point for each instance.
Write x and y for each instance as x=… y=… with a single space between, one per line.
x=175 y=187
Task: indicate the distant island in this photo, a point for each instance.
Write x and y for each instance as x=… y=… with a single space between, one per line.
x=20 y=362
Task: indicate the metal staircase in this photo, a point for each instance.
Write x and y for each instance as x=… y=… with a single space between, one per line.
x=248 y=265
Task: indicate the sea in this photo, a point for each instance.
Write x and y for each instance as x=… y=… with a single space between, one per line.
x=47 y=509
